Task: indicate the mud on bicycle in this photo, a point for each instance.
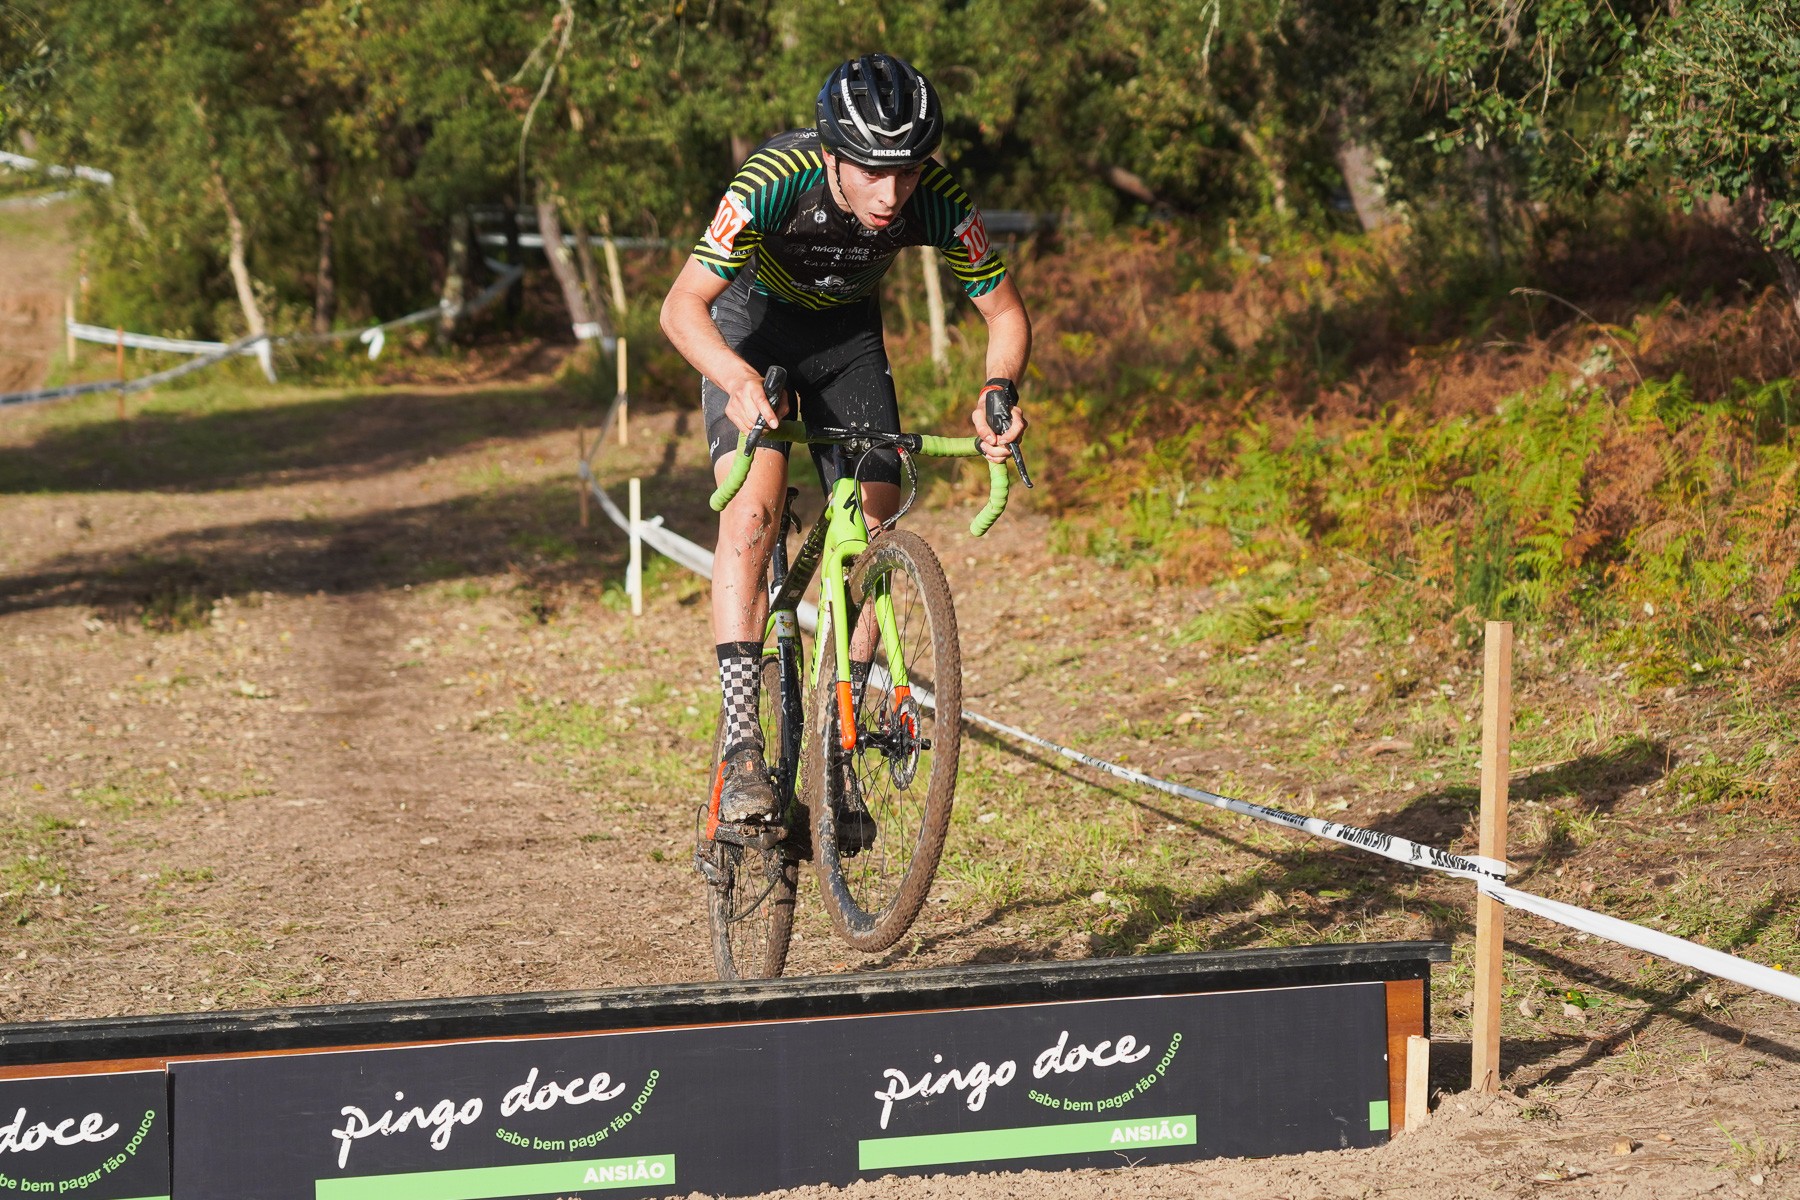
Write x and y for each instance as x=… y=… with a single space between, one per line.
x=862 y=735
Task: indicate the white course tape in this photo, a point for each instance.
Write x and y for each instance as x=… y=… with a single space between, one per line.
x=1488 y=874
x=142 y=341
x=44 y=200
x=59 y=393
x=1650 y=941
x=535 y=241
x=261 y=347
x=1413 y=854
x=91 y=174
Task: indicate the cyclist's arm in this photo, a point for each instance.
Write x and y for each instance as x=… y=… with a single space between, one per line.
x=687 y=322
x=1008 y=352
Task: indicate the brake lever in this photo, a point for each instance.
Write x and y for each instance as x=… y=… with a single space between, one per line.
x=999 y=419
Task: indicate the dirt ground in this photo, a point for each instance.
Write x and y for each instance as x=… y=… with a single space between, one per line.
x=318 y=696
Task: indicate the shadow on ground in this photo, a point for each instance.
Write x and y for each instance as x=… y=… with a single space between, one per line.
x=182 y=445
x=1341 y=885
x=172 y=580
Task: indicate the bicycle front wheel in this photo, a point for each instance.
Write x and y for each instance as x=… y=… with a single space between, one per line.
x=875 y=869
x=750 y=890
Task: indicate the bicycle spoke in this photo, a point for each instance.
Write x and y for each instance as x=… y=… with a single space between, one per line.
x=902 y=771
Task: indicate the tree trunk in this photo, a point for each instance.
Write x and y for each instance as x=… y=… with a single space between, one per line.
x=562 y=265
x=515 y=295
x=590 y=270
x=615 y=278
x=456 y=276
x=325 y=283
x=590 y=279
x=1356 y=159
x=934 y=308
x=325 y=287
x=1265 y=158
x=1789 y=268
x=240 y=271
x=240 y=268
x=1752 y=218
x=1125 y=181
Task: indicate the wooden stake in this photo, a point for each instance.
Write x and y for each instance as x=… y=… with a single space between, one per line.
x=1418 y=1081
x=1490 y=937
x=624 y=398
x=582 y=484
x=634 y=573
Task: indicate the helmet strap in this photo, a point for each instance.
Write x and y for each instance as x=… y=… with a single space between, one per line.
x=842 y=197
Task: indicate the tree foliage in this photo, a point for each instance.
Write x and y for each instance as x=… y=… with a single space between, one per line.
x=349 y=136
x=1715 y=98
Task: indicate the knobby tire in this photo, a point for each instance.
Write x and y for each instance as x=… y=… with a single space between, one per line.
x=875 y=895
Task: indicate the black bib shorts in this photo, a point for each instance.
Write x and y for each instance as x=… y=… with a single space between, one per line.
x=837 y=368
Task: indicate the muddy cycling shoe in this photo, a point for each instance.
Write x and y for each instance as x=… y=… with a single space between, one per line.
x=745 y=795
x=855 y=827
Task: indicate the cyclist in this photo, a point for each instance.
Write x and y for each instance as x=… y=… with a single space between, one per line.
x=786 y=275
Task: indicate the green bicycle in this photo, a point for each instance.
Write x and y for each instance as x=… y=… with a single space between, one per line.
x=864 y=773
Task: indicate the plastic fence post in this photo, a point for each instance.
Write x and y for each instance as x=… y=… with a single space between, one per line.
x=119 y=353
x=69 y=326
x=582 y=486
x=634 y=572
x=1496 y=753
x=624 y=402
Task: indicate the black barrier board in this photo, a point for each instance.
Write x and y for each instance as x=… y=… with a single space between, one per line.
x=739 y=1109
x=261 y=1031
x=105 y=1137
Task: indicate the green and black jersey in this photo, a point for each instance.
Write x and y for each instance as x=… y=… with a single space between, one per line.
x=778 y=219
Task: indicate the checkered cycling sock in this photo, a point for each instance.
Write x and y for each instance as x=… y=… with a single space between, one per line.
x=738 y=668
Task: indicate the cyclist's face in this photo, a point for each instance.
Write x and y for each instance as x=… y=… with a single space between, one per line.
x=873 y=197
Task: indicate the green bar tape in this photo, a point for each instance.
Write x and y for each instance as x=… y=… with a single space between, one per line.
x=740 y=471
x=998 y=482
x=948 y=447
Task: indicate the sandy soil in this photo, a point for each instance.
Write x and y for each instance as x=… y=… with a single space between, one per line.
x=314 y=696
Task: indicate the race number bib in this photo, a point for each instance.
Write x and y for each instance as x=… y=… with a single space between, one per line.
x=731 y=218
x=973 y=235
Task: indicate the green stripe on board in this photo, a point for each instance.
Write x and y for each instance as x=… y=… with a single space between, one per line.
x=1031 y=1141
x=484 y=1183
x=1378 y=1115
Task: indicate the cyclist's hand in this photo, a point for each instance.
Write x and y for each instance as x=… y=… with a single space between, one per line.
x=749 y=401
x=1000 y=395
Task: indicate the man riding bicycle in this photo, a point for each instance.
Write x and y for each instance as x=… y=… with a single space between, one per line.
x=787 y=275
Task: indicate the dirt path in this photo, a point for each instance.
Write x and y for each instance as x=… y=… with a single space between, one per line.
x=318 y=697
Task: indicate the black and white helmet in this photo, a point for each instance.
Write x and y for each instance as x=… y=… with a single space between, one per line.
x=877 y=111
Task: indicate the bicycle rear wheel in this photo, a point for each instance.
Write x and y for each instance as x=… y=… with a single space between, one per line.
x=750 y=890
x=903 y=769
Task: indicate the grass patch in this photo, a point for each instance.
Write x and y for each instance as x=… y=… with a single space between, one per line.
x=130 y=794
x=32 y=868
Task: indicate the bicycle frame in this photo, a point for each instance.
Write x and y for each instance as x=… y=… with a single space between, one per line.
x=836 y=538
x=840 y=534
